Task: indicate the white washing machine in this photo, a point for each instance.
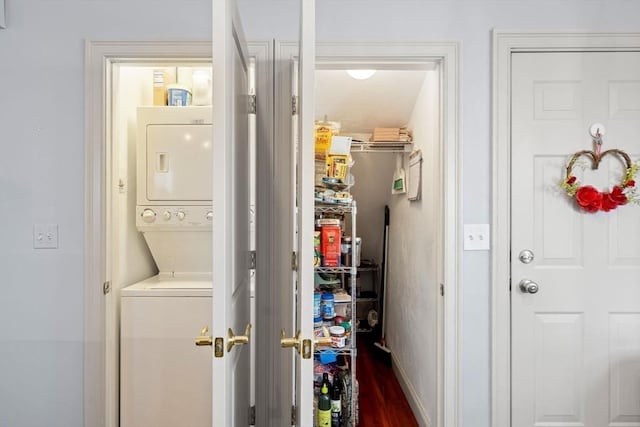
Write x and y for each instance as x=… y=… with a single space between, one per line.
x=165 y=380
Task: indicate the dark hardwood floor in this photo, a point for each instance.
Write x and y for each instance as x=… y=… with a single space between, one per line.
x=382 y=402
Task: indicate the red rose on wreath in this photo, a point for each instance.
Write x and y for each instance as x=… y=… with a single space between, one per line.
x=589 y=198
x=618 y=196
x=608 y=203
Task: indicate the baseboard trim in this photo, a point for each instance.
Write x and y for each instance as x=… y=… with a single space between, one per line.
x=410 y=393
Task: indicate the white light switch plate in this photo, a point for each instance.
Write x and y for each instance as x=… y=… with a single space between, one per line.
x=476 y=237
x=45 y=236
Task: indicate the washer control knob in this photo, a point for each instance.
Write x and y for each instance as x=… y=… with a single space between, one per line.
x=166 y=215
x=181 y=215
x=209 y=215
x=148 y=215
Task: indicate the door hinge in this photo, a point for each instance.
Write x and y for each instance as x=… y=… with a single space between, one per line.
x=253 y=105
x=294 y=416
x=252 y=260
x=441 y=289
x=294 y=261
x=294 y=105
x=252 y=415
x=106 y=287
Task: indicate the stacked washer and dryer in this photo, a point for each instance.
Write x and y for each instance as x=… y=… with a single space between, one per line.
x=164 y=380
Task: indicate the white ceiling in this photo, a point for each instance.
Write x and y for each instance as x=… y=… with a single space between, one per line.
x=384 y=100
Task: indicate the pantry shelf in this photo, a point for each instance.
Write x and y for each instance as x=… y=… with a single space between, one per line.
x=381 y=147
x=347 y=351
x=334 y=208
x=336 y=270
x=334 y=240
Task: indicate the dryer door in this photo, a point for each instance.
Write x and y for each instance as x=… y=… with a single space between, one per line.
x=178 y=163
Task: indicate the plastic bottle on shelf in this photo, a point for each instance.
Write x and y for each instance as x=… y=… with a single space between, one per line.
x=316 y=305
x=324 y=407
x=327 y=306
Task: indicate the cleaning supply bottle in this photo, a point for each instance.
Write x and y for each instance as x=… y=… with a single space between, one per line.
x=325 y=380
x=324 y=407
x=336 y=403
x=399 y=185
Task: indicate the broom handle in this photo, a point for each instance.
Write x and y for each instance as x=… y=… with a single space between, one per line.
x=385 y=271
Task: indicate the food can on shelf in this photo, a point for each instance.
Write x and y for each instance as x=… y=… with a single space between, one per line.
x=346 y=251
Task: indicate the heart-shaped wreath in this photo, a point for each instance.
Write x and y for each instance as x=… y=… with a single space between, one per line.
x=590 y=199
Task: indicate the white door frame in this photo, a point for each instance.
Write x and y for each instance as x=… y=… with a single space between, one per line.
x=100 y=326
x=448 y=56
x=504 y=44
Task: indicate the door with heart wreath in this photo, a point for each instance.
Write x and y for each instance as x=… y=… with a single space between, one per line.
x=575 y=239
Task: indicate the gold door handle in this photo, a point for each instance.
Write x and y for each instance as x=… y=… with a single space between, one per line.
x=293 y=342
x=233 y=339
x=203 y=338
x=322 y=342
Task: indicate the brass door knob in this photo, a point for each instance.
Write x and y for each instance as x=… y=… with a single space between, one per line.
x=322 y=342
x=203 y=338
x=233 y=339
x=293 y=342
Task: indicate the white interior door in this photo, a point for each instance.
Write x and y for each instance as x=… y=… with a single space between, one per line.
x=305 y=214
x=232 y=188
x=576 y=342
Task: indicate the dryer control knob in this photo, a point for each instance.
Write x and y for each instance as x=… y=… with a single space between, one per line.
x=181 y=215
x=148 y=215
x=166 y=215
x=209 y=215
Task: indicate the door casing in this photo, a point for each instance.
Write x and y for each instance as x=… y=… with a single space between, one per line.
x=100 y=318
x=447 y=56
x=504 y=44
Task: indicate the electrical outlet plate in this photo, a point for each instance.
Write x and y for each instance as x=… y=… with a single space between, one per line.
x=45 y=236
x=476 y=237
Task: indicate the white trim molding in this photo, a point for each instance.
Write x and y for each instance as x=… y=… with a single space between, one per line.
x=100 y=351
x=506 y=42
x=100 y=376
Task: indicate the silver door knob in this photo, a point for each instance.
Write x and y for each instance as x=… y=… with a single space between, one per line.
x=526 y=256
x=528 y=286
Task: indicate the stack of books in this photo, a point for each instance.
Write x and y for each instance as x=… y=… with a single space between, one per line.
x=391 y=135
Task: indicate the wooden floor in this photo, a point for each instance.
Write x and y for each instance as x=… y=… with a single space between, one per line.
x=382 y=402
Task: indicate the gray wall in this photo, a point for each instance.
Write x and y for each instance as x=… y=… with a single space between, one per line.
x=41 y=167
x=41 y=177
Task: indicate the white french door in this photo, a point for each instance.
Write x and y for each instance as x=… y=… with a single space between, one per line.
x=575 y=343
x=233 y=190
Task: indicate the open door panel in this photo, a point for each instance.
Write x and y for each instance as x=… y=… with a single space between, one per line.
x=232 y=191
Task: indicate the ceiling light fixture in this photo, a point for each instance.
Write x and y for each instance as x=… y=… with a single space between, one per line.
x=361 y=74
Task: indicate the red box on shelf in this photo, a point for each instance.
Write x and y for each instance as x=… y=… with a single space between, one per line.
x=331 y=245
